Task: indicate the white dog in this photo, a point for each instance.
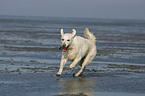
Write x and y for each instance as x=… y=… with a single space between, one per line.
x=77 y=49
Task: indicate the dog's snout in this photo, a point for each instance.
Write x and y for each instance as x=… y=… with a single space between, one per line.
x=64 y=45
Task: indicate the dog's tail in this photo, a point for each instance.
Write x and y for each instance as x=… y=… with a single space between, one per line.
x=89 y=35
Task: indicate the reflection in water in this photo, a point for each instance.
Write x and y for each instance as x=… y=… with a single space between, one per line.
x=77 y=87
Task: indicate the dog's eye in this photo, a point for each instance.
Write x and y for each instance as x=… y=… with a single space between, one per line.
x=62 y=39
x=68 y=40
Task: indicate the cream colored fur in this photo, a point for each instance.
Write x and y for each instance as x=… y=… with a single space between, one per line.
x=80 y=50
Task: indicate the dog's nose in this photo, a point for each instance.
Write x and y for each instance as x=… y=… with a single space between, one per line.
x=63 y=45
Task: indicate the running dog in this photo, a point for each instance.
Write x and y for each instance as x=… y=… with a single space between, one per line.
x=77 y=49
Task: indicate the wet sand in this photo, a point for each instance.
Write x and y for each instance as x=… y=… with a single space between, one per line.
x=30 y=57
x=91 y=84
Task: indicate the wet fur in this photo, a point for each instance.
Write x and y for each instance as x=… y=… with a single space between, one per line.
x=80 y=51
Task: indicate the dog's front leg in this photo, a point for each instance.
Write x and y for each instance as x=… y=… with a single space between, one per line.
x=74 y=63
x=62 y=64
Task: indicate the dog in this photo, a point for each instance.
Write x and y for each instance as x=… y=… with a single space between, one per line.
x=77 y=49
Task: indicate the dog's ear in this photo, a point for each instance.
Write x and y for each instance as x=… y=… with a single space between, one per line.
x=61 y=31
x=74 y=32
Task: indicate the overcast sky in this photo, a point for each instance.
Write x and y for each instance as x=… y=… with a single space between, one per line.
x=128 y=9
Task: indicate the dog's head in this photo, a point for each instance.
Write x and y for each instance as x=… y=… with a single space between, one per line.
x=67 y=39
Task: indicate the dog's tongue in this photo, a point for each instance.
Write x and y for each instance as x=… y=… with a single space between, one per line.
x=64 y=49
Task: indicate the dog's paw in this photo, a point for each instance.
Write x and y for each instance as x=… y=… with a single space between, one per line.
x=71 y=67
x=76 y=75
x=58 y=74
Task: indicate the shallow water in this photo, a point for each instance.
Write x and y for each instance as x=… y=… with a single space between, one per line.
x=30 y=45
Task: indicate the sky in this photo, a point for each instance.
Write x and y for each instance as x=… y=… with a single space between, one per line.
x=114 y=9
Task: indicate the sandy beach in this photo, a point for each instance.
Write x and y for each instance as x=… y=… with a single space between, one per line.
x=92 y=84
x=30 y=57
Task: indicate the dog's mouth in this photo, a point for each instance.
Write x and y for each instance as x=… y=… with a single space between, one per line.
x=64 y=48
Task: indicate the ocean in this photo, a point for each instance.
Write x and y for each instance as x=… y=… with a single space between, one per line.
x=30 y=45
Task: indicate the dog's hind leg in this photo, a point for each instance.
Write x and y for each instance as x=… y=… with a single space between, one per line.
x=74 y=63
x=86 y=61
x=81 y=61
